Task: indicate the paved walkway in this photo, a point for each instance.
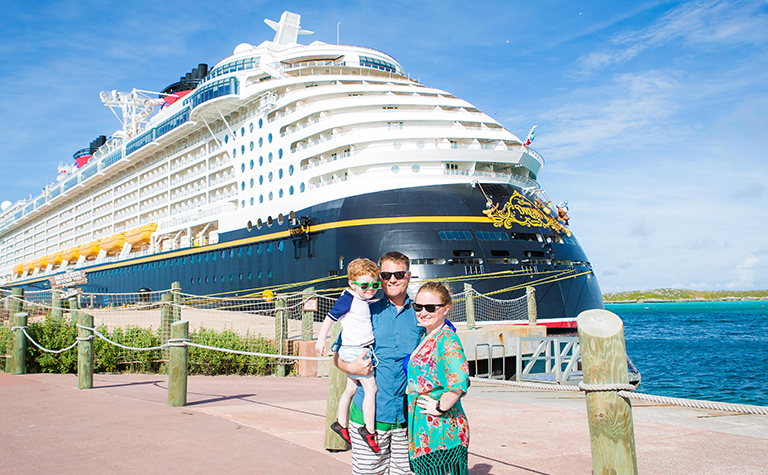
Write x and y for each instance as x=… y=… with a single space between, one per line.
x=274 y=426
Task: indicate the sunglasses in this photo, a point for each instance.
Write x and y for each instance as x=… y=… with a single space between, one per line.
x=399 y=275
x=430 y=307
x=365 y=285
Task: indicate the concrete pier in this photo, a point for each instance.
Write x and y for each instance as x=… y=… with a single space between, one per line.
x=276 y=425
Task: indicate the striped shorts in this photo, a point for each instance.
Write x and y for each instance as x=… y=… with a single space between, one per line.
x=392 y=458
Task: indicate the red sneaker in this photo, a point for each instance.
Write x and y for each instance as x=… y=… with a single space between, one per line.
x=342 y=431
x=369 y=439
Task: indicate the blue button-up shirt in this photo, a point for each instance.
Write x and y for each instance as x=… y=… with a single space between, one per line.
x=396 y=335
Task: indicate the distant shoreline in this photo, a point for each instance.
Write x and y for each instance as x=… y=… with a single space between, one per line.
x=683 y=295
x=657 y=300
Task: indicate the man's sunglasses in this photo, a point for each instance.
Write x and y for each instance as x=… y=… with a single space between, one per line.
x=399 y=275
x=430 y=307
x=365 y=285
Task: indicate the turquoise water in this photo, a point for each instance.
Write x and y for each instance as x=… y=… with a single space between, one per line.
x=715 y=350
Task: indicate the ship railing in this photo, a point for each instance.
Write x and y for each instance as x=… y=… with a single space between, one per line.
x=332 y=158
x=302 y=126
x=306 y=64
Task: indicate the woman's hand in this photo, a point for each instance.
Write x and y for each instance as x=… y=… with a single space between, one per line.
x=428 y=405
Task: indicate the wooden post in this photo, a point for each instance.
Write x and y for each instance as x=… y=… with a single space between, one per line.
x=166 y=319
x=281 y=332
x=604 y=361
x=177 y=366
x=56 y=312
x=337 y=381
x=19 y=365
x=469 y=305
x=84 y=352
x=307 y=318
x=73 y=305
x=14 y=307
x=530 y=297
x=176 y=292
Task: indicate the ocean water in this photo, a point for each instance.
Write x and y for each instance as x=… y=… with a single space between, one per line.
x=715 y=351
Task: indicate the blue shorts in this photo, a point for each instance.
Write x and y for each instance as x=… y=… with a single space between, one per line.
x=350 y=353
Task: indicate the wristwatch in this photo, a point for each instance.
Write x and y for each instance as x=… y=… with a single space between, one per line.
x=437 y=408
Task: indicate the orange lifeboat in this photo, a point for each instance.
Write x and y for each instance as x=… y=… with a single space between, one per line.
x=41 y=262
x=90 y=250
x=29 y=266
x=56 y=258
x=71 y=254
x=140 y=235
x=18 y=269
x=113 y=243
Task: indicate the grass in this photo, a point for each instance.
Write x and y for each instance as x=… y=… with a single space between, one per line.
x=683 y=294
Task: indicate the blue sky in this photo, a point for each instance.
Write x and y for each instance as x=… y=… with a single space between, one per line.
x=652 y=116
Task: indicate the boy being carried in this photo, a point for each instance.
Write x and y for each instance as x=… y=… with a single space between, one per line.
x=356 y=338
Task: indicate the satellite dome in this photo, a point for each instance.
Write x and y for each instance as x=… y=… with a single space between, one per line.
x=242 y=47
x=5 y=205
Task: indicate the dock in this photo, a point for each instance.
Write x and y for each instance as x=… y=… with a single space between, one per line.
x=275 y=425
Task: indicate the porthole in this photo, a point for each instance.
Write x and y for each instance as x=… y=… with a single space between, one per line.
x=269 y=248
x=207 y=280
x=280 y=193
x=301 y=188
x=249 y=226
x=251 y=164
x=214 y=279
x=261 y=198
x=269 y=274
x=251 y=200
x=269 y=220
x=231 y=278
x=280 y=219
x=249 y=276
x=223 y=255
x=231 y=253
x=242 y=132
x=226 y=139
x=250 y=127
x=242 y=204
x=242 y=149
x=280 y=173
x=242 y=186
x=261 y=141
x=250 y=250
x=280 y=153
x=207 y=255
x=270 y=177
x=234 y=152
x=192 y=282
x=269 y=138
x=270 y=157
x=241 y=276
x=415 y=168
x=290 y=170
x=271 y=196
x=199 y=280
x=223 y=278
x=290 y=190
x=199 y=258
x=259 y=275
x=251 y=145
x=395 y=169
x=280 y=246
x=169 y=264
x=397 y=145
x=259 y=223
x=420 y=144
x=261 y=161
x=251 y=185
x=240 y=252
x=261 y=179
x=242 y=168
x=258 y=249
x=261 y=122
x=214 y=255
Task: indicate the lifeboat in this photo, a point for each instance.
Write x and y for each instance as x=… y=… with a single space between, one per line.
x=18 y=269
x=140 y=235
x=56 y=258
x=113 y=243
x=90 y=250
x=29 y=266
x=41 y=262
x=71 y=254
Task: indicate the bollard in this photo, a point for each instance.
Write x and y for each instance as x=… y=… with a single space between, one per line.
x=84 y=351
x=166 y=319
x=337 y=381
x=176 y=292
x=307 y=318
x=604 y=361
x=469 y=305
x=19 y=364
x=178 y=368
x=73 y=305
x=530 y=297
x=281 y=332
x=56 y=312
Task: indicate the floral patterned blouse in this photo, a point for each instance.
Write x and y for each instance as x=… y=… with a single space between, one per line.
x=438 y=366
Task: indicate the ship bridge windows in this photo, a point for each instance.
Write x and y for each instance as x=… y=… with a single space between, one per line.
x=455 y=235
x=233 y=66
x=376 y=63
x=491 y=236
x=527 y=237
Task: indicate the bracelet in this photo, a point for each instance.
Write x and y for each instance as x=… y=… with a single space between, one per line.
x=437 y=408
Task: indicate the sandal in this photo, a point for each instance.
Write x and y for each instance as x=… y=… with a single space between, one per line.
x=369 y=439
x=342 y=431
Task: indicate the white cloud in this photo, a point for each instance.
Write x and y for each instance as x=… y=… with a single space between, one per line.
x=745 y=276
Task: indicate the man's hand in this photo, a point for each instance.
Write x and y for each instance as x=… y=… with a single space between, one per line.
x=360 y=366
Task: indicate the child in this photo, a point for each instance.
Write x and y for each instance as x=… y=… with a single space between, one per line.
x=356 y=338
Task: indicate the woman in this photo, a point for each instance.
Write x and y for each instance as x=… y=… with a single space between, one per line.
x=438 y=431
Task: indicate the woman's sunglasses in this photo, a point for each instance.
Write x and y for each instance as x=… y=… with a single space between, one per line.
x=430 y=307
x=365 y=285
x=399 y=275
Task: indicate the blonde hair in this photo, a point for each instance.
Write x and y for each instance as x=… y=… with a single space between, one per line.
x=437 y=288
x=362 y=266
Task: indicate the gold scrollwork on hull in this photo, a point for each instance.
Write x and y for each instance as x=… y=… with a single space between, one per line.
x=522 y=211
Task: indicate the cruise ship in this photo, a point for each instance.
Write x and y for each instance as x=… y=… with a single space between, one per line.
x=272 y=170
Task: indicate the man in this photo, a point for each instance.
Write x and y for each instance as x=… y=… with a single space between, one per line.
x=396 y=335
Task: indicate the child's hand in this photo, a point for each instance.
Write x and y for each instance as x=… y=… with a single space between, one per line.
x=320 y=347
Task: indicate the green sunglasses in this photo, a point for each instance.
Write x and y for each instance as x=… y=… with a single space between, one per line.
x=365 y=285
